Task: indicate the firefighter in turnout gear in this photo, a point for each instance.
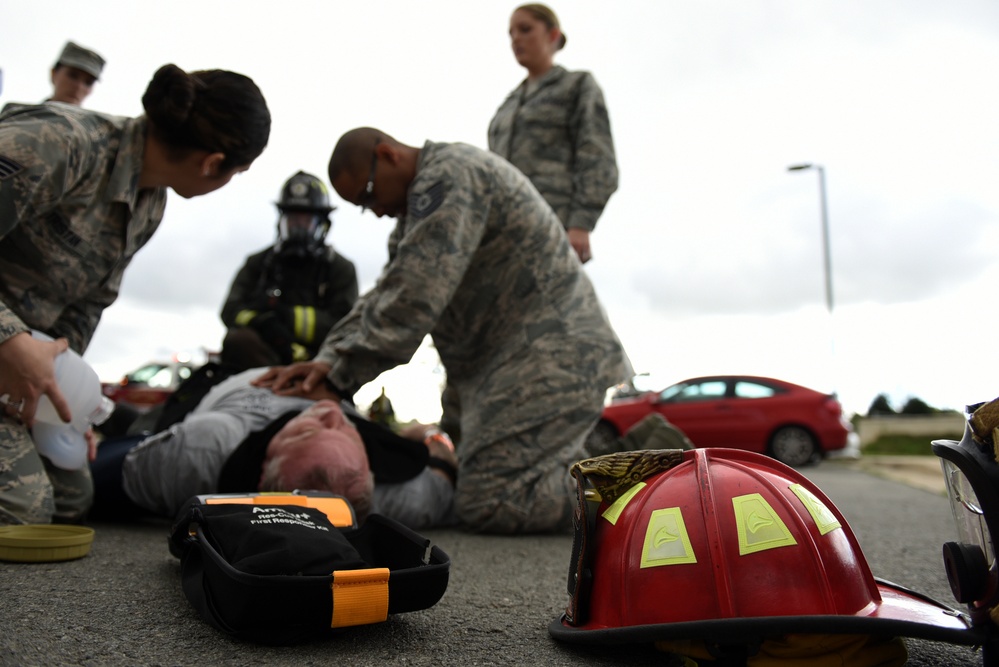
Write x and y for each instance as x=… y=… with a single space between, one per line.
x=287 y=297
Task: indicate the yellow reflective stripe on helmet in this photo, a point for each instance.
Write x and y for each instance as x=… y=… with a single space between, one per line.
x=759 y=526
x=666 y=540
x=613 y=513
x=243 y=317
x=824 y=520
x=305 y=323
x=360 y=597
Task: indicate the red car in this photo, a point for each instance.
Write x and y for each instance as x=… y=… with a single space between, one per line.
x=150 y=385
x=791 y=423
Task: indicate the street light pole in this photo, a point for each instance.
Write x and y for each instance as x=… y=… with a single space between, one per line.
x=827 y=256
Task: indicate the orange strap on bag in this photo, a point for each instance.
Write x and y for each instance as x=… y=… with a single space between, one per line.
x=360 y=597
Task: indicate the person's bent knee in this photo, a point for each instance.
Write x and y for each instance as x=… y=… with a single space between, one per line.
x=29 y=499
x=499 y=516
x=26 y=492
x=72 y=492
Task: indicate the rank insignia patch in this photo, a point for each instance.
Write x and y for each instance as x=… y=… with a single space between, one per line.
x=422 y=204
x=8 y=167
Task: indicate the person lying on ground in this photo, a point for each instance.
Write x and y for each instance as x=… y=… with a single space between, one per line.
x=242 y=438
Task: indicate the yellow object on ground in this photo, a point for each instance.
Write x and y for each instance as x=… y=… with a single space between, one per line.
x=44 y=543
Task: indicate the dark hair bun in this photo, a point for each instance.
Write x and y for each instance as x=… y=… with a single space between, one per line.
x=169 y=99
x=213 y=110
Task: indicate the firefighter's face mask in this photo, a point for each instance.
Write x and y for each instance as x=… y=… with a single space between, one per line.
x=971 y=471
x=305 y=230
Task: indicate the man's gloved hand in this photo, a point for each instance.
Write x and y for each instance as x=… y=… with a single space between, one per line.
x=275 y=333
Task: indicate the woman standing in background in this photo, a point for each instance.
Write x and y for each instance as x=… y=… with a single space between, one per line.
x=554 y=127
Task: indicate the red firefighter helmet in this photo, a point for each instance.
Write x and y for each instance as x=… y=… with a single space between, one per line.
x=725 y=546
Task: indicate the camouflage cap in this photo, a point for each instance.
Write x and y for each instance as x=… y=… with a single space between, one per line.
x=74 y=55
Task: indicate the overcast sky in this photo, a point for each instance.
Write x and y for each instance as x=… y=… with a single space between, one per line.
x=708 y=259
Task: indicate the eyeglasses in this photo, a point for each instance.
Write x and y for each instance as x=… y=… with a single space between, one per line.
x=367 y=199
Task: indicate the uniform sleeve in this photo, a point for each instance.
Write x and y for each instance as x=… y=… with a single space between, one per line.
x=78 y=321
x=501 y=126
x=163 y=471
x=241 y=295
x=435 y=244
x=340 y=297
x=10 y=323
x=35 y=161
x=595 y=174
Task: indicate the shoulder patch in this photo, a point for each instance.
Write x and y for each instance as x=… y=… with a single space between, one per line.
x=8 y=167
x=422 y=204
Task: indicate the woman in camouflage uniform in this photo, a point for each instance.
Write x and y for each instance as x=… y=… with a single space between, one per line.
x=554 y=127
x=80 y=193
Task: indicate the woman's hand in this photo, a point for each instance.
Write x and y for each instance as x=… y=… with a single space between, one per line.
x=27 y=372
x=580 y=241
x=91 y=439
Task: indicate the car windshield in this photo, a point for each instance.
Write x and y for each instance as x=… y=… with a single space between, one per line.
x=161 y=379
x=694 y=391
x=146 y=373
x=160 y=376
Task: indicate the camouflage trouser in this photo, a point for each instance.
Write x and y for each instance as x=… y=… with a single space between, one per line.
x=653 y=432
x=451 y=414
x=32 y=490
x=516 y=480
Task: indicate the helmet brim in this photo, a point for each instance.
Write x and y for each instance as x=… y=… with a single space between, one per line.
x=305 y=209
x=900 y=613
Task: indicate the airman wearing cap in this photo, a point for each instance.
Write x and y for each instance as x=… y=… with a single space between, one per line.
x=74 y=74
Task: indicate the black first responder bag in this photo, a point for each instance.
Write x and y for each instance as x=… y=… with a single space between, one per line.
x=285 y=568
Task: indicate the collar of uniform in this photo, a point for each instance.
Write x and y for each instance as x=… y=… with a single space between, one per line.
x=425 y=154
x=547 y=79
x=123 y=184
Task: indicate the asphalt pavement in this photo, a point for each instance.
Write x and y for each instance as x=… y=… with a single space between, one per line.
x=123 y=604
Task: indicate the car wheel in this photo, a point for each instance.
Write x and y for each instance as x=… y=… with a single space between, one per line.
x=794 y=446
x=603 y=439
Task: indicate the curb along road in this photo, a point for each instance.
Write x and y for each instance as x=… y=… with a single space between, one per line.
x=921 y=472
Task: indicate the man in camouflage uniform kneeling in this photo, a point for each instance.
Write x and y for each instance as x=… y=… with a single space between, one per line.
x=480 y=262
